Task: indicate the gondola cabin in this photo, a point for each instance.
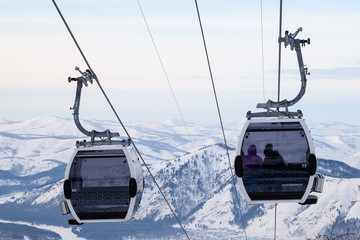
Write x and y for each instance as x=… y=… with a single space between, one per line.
x=103 y=184
x=275 y=161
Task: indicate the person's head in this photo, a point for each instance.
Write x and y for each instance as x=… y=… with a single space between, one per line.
x=252 y=150
x=268 y=148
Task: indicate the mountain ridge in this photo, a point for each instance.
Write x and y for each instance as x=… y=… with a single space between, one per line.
x=197 y=182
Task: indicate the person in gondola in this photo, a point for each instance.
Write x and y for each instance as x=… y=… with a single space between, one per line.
x=272 y=159
x=251 y=160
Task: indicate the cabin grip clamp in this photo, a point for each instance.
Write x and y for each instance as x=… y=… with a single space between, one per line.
x=86 y=77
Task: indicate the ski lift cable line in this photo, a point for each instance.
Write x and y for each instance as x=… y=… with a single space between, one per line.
x=166 y=75
x=219 y=114
x=279 y=69
x=118 y=118
x=275 y=221
x=279 y=40
x=262 y=49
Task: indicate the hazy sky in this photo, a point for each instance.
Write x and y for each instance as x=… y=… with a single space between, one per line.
x=37 y=55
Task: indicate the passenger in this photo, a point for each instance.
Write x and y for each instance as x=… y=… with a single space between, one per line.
x=272 y=159
x=252 y=160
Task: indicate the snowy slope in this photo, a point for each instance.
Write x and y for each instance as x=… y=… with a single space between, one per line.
x=194 y=176
x=338 y=141
x=28 y=147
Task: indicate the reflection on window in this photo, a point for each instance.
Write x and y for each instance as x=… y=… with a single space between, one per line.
x=105 y=172
x=101 y=172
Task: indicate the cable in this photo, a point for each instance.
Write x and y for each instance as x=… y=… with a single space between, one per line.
x=275 y=221
x=170 y=86
x=219 y=114
x=262 y=50
x=118 y=118
x=166 y=75
x=76 y=43
x=279 y=40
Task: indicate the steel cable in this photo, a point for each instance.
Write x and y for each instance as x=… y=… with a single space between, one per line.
x=219 y=114
x=118 y=118
x=166 y=75
x=279 y=39
x=262 y=50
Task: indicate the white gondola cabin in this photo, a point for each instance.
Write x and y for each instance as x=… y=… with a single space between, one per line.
x=103 y=184
x=275 y=161
x=103 y=179
x=275 y=156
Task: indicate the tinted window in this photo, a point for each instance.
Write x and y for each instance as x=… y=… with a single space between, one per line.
x=275 y=160
x=109 y=172
x=105 y=171
x=100 y=184
x=285 y=139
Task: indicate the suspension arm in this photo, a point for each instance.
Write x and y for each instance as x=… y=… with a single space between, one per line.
x=289 y=39
x=80 y=81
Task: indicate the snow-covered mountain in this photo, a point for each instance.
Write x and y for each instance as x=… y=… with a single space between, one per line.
x=193 y=171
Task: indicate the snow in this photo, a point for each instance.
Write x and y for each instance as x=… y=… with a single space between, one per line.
x=65 y=233
x=10 y=197
x=9 y=182
x=47 y=137
x=301 y=222
x=53 y=192
x=214 y=215
x=337 y=141
x=194 y=176
x=354 y=211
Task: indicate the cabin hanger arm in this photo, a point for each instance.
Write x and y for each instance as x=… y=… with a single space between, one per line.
x=86 y=77
x=289 y=40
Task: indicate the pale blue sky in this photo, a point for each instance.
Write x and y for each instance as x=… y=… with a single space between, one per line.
x=37 y=55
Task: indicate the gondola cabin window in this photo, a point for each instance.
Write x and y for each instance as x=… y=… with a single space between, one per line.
x=275 y=160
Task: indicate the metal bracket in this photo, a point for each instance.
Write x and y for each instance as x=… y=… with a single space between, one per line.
x=272 y=113
x=84 y=143
x=64 y=208
x=318 y=183
x=86 y=77
x=289 y=39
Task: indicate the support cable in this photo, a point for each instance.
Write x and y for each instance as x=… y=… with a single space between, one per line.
x=279 y=40
x=118 y=118
x=279 y=69
x=219 y=114
x=262 y=50
x=275 y=221
x=262 y=54
x=166 y=75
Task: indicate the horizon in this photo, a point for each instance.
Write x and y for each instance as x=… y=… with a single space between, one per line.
x=162 y=121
